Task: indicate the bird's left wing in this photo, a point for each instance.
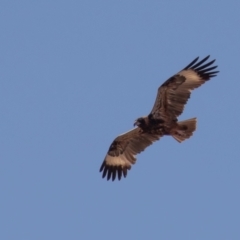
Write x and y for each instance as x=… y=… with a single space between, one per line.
x=174 y=93
x=122 y=152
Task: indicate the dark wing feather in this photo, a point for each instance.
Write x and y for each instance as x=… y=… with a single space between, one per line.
x=175 y=92
x=122 y=152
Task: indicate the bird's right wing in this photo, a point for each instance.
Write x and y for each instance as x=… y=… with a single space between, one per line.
x=122 y=152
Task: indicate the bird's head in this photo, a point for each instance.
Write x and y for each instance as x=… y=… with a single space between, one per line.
x=139 y=122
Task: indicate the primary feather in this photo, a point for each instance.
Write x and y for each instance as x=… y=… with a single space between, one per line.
x=122 y=152
x=175 y=92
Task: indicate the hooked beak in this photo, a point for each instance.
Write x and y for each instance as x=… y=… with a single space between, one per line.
x=135 y=123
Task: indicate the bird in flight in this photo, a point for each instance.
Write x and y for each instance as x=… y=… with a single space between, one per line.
x=172 y=96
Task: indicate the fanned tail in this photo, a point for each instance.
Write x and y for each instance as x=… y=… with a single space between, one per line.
x=184 y=129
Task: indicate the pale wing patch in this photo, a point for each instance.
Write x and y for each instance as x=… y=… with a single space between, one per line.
x=193 y=80
x=120 y=160
x=174 y=93
x=190 y=75
x=117 y=166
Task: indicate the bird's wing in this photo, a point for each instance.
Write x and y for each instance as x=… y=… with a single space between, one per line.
x=175 y=92
x=122 y=152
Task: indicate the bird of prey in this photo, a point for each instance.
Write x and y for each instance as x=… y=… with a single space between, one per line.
x=172 y=95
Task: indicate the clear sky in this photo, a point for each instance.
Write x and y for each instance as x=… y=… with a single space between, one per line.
x=73 y=76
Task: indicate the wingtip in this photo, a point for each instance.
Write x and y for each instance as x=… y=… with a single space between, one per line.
x=114 y=172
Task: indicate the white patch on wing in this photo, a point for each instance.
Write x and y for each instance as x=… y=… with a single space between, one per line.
x=120 y=160
x=190 y=75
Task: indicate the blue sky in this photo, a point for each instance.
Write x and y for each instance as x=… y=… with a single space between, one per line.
x=74 y=75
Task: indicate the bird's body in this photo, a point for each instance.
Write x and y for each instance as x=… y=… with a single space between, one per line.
x=162 y=120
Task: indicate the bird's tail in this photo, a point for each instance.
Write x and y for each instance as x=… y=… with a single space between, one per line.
x=184 y=129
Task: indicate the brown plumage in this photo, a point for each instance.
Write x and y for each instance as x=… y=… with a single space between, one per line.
x=172 y=96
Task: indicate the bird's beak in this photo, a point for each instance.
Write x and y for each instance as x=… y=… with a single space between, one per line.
x=135 y=123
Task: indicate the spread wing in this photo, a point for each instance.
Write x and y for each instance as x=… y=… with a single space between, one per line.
x=122 y=152
x=175 y=92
